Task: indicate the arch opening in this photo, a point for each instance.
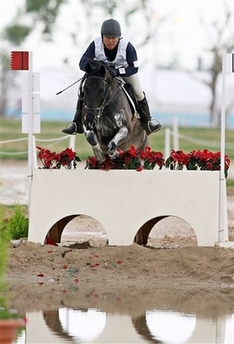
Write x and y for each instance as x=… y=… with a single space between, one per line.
x=77 y=229
x=166 y=232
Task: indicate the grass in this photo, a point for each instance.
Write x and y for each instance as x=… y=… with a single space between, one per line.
x=11 y=130
x=204 y=138
x=8 y=210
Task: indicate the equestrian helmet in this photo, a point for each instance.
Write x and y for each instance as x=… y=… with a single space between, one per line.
x=111 y=28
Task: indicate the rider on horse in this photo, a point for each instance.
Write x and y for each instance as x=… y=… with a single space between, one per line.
x=121 y=58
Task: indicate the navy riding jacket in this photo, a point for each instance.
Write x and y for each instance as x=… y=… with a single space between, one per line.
x=131 y=57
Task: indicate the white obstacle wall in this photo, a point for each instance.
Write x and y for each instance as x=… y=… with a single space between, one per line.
x=124 y=200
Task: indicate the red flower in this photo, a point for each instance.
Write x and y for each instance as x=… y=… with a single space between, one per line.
x=180 y=157
x=130 y=159
x=148 y=159
x=51 y=160
x=152 y=158
x=132 y=152
x=91 y=162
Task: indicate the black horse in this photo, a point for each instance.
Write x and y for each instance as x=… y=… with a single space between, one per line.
x=110 y=118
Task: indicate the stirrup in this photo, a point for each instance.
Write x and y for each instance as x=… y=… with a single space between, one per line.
x=68 y=130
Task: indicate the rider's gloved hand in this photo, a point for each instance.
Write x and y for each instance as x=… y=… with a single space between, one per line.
x=89 y=121
x=113 y=72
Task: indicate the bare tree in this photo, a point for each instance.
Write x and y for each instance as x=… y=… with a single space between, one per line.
x=220 y=35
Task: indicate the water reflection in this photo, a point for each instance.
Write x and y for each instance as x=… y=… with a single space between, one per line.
x=67 y=325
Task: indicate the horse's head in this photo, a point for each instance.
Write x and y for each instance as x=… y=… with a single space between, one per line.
x=97 y=68
x=97 y=86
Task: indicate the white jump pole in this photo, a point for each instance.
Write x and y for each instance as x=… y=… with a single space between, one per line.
x=35 y=164
x=175 y=134
x=23 y=60
x=30 y=119
x=227 y=66
x=167 y=142
x=72 y=142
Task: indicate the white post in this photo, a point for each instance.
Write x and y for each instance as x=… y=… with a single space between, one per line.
x=175 y=134
x=35 y=165
x=223 y=227
x=167 y=143
x=30 y=120
x=72 y=142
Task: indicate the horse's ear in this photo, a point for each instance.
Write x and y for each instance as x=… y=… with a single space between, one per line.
x=87 y=67
x=102 y=70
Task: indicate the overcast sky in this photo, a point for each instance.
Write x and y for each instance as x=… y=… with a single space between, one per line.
x=187 y=42
x=187 y=38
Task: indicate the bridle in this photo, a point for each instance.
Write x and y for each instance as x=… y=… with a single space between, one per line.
x=98 y=111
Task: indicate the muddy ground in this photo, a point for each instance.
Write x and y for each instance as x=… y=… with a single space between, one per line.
x=84 y=272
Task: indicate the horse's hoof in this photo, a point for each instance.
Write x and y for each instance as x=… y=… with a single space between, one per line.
x=112 y=148
x=115 y=155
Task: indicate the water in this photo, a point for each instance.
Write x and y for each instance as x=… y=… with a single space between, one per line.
x=91 y=325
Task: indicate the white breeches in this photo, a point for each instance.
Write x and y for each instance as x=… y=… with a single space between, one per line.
x=134 y=81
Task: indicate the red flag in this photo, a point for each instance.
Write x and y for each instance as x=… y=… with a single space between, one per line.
x=19 y=60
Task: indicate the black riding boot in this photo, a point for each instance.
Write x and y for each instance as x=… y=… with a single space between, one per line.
x=76 y=126
x=150 y=125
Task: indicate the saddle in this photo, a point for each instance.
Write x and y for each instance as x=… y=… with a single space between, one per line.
x=131 y=96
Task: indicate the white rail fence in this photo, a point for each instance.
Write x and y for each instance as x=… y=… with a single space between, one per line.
x=171 y=141
x=36 y=142
x=172 y=137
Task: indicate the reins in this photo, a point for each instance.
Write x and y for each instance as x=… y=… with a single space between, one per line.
x=105 y=102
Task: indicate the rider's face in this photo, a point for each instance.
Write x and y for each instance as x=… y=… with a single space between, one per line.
x=110 y=42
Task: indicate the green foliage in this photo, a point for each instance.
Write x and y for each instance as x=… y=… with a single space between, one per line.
x=8 y=314
x=46 y=12
x=17 y=33
x=5 y=237
x=43 y=5
x=17 y=225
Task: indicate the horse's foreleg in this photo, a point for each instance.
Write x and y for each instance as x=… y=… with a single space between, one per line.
x=92 y=139
x=121 y=135
x=98 y=153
